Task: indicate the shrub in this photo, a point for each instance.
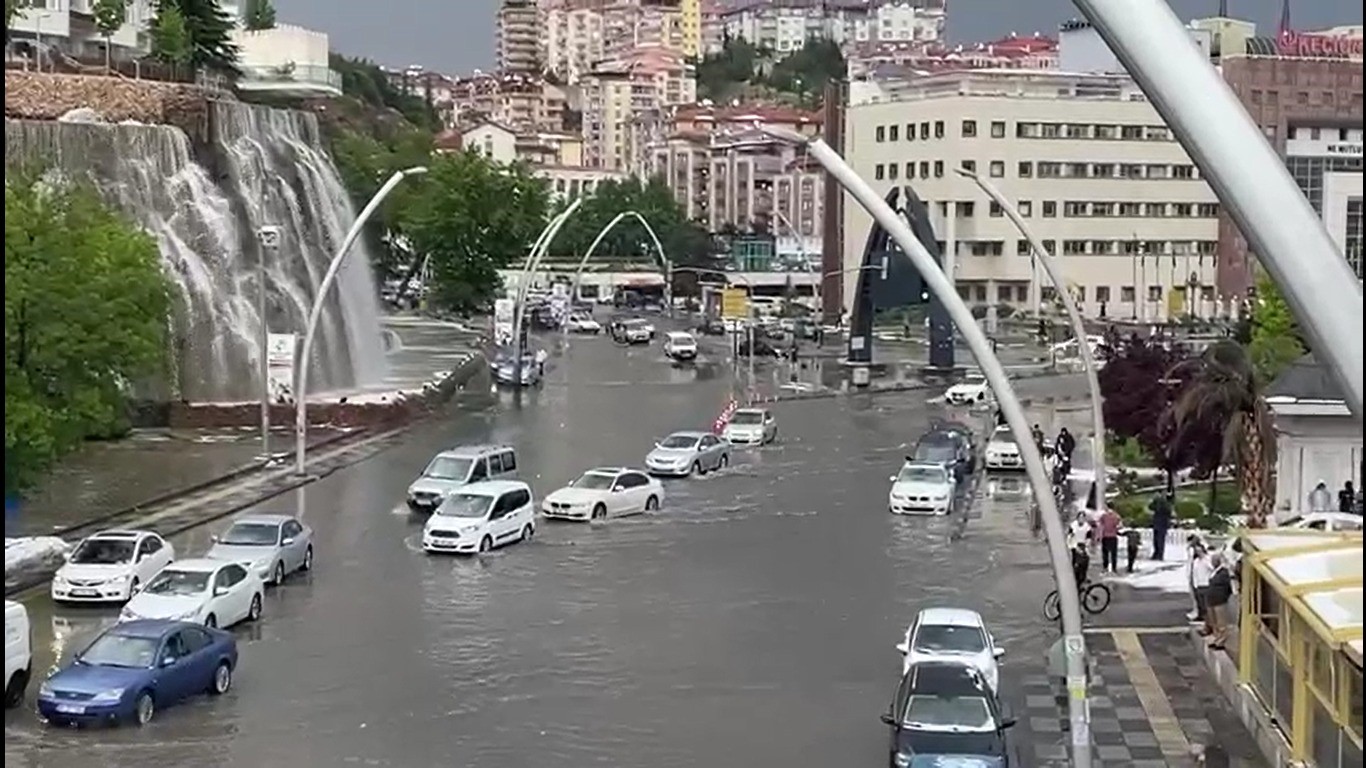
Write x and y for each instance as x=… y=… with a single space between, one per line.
x=1133 y=511
x=1213 y=523
x=1188 y=509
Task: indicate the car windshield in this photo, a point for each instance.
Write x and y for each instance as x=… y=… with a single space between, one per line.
x=679 y=441
x=173 y=583
x=251 y=535
x=683 y=339
x=967 y=713
x=634 y=324
x=103 y=552
x=447 y=468
x=936 y=452
x=919 y=473
x=1004 y=436
x=943 y=638
x=593 y=481
x=114 y=649
x=465 y=505
x=747 y=417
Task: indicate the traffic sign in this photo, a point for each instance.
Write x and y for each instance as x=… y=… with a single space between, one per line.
x=734 y=304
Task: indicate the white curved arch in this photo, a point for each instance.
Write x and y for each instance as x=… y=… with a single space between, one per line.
x=588 y=254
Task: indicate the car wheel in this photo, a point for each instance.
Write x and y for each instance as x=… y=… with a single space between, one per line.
x=254 y=612
x=278 y=577
x=144 y=708
x=14 y=691
x=528 y=532
x=725 y=461
x=133 y=587
x=222 y=679
x=697 y=468
x=652 y=504
x=599 y=512
x=211 y=621
x=308 y=559
x=485 y=544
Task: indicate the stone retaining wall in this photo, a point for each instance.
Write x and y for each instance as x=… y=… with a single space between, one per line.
x=330 y=413
x=48 y=96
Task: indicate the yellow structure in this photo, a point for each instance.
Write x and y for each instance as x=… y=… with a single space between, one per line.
x=1300 y=639
x=691 y=11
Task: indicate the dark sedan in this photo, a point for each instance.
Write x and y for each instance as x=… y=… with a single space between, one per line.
x=945 y=714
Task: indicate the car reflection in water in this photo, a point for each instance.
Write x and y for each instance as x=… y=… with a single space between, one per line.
x=1007 y=487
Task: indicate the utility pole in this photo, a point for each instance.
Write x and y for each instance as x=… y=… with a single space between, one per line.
x=269 y=237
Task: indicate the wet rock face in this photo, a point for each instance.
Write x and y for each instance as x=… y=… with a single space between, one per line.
x=48 y=96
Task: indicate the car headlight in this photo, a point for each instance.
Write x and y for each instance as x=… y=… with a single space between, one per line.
x=902 y=760
x=187 y=616
x=261 y=564
x=45 y=690
x=122 y=578
x=942 y=497
x=107 y=697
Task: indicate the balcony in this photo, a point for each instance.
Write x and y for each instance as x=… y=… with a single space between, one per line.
x=291 y=80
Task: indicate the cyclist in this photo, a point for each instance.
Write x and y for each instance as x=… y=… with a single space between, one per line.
x=1081 y=563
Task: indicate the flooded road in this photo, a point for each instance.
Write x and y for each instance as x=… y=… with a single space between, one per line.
x=750 y=622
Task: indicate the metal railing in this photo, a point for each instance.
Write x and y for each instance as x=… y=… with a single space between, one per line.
x=303 y=75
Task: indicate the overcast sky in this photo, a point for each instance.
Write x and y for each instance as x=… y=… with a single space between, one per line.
x=456 y=36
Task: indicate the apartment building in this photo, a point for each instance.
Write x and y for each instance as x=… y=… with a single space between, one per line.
x=874 y=62
x=568 y=182
x=523 y=102
x=576 y=34
x=70 y=26
x=785 y=25
x=690 y=15
x=517 y=30
x=624 y=102
x=1088 y=162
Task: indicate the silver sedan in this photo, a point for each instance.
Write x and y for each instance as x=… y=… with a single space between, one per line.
x=688 y=453
x=272 y=545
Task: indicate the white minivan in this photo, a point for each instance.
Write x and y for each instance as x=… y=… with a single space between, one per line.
x=481 y=516
x=18 y=656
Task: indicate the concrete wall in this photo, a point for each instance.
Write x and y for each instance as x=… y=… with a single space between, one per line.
x=44 y=96
x=283 y=45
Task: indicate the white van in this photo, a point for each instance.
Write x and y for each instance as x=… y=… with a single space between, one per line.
x=452 y=469
x=18 y=656
x=481 y=516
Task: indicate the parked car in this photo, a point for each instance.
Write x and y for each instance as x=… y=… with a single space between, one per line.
x=950 y=446
x=1002 y=451
x=273 y=546
x=633 y=331
x=922 y=488
x=480 y=517
x=751 y=426
x=711 y=326
x=110 y=566
x=18 y=653
x=605 y=492
x=944 y=715
x=451 y=469
x=214 y=593
x=952 y=634
x=688 y=453
x=680 y=346
x=579 y=322
x=135 y=668
x=974 y=391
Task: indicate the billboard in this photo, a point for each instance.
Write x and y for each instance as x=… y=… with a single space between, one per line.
x=280 y=366
x=503 y=315
x=735 y=304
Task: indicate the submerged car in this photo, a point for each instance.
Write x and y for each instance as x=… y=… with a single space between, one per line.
x=680 y=346
x=1002 y=451
x=605 y=492
x=688 y=453
x=581 y=322
x=956 y=635
x=974 y=391
x=110 y=566
x=135 y=668
x=209 y=592
x=505 y=371
x=944 y=716
x=480 y=517
x=633 y=331
x=922 y=488
x=272 y=546
x=751 y=426
x=453 y=468
x=949 y=446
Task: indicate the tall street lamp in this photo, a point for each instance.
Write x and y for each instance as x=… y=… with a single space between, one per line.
x=539 y=249
x=1246 y=174
x=663 y=257
x=269 y=238
x=1050 y=266
x=316 y=313
x=943 y=288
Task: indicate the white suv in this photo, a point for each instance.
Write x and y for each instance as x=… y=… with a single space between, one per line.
x=481 y=516
x=680 y=346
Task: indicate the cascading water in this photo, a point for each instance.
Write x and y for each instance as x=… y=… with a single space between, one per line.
x=274 y=174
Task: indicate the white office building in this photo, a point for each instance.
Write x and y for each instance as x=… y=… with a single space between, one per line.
x=1088 y=162
x=69 y=25
x=785 y=25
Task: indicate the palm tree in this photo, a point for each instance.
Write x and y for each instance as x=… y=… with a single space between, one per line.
x=1222 y=389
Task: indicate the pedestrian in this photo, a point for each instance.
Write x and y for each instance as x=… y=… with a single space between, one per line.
x=1199 y=570
x=1091 y=497
x=1065 y=445
x=1081 y=563
x=1108 y=528
x=1132 y=539
x=1319 y=498
x=1217 y=596
x=1037 y=432
x=1347 y=498
x=1161 y=508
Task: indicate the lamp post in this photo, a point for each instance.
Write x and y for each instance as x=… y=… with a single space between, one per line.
x=663 y=258
x=529 y=269
x=749 y=315
x=269 y=238
x=315 y=314
x=1050 y=268
x=942 y=287
x=1246 y=174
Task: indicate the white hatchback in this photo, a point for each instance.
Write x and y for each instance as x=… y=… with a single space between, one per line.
x=605 y=492
x=214 y=593
x=481 y=516
x=954 y=635
x=110 y=566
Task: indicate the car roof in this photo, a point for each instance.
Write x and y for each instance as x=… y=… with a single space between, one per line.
x=202 y=564
x=493 y=487
x=751 y=410
x=120 y=535
x=951 y=617
x=152 y=629
x=694 y=433
x=673 y=334
x=474 y=450
x=917 y=463
x=273 y=519
x=605 y=471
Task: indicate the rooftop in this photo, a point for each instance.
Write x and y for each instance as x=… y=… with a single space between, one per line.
x=1319 y=574
x=1305 y=380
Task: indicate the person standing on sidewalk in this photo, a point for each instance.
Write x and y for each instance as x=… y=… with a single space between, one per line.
x=1109 y=540
x=1200 y=568
x=1133 y=539
x=1217 y=596
x=1347 y=498
x=1161 y=507
x=1320 y=499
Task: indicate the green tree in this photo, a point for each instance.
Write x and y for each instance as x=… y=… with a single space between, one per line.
x=259 y=14
x=109 y=16
x=364 y=163
x=807 y=70
x=722 y=75
x=1276 y=339
x=470 y=217
x=209 y=31
x=171 y=38
x=683 y=241
x=86 y=312
x=367 y=82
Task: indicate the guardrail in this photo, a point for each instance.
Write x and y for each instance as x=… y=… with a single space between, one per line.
x=284 y=75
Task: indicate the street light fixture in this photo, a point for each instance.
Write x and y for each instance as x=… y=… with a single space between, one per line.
x=269 y=237
x=316 y=313
x=538 y=251
x=1248 y=176
x=943 y=288
x=663 y=257
x=1069 y=303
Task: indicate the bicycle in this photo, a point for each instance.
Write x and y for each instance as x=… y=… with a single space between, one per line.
x=1095 y=598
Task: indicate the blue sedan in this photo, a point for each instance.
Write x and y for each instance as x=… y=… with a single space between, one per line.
x=136 y=667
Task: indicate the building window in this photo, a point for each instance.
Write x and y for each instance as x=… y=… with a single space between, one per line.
x=1183 y=171
x=1050 y=170
x=1050 y=130
x=1155 y=210
x=939 y=169
x=1182 y=210
x=1159 y=172
x=998 y=169
x=1074 y=208
x=910 y=131
x=880 y=134
x=1076 y=131
x=1207 y=210
x=1026 y=130
x=980 y=291
x=1025 y=207
x=1073 y=247
x=1025 y=170
x=878 y=172
x=892 y=169
x=1131 y=132
x=988 y=247
x=970 y=166
x=1102 y=247
x=1102 y=294
x=1080 y=293
x=995 y=210
x=893 y=133
x=1130 y=171
x=969 y=129
x=1051 y=246
x=1103 y=171
x=1050 y=209
x=1103 y=209
x=939 y=129
x=998 y=129
x=924 y=169
x=910 y=170
x=924 y=130
x=1022 y=248
x=1154 y=293
x=1003 y=294
x=967 y=209
x=1105 y=132
x=1129 y=210
x=1126 y=294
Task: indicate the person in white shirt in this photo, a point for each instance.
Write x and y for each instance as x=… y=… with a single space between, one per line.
x=1320 y=499
x=1200 y=570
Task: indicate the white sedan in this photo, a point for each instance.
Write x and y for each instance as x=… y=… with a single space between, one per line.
x=955 y=635
x=605 y=492
x=209 y=592
x=974 y=391
x=1002 y=451
x=110 y=566
x=922 y=488
x=582 y=323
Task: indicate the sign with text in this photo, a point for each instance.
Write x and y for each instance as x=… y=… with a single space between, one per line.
x=503 y=316
x=280 y=366
x=734 y=304
x=1300 y=45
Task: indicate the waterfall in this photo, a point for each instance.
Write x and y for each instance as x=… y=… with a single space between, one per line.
x=273 y=173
